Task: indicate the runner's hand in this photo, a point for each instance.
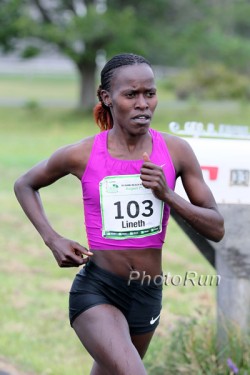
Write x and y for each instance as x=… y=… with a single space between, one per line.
x=69 y=253
x=153 y=178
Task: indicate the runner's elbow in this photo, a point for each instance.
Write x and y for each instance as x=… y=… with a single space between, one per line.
x=219 y=231
x=19 y=185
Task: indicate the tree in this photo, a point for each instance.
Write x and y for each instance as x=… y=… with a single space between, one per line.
x=10 y=12
x=80 y=29
x=169 y=32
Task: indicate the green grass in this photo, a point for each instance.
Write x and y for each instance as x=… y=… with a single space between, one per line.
x=36 y=88
x=35 y=333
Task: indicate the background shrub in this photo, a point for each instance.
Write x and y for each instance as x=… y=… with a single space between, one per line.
x=211 y=81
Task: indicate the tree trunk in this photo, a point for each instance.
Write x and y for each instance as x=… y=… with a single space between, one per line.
x=87 y=98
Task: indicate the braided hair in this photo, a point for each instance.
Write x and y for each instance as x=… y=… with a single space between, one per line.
x=102 y=113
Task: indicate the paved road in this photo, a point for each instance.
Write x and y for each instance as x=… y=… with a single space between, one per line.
x=178 y=104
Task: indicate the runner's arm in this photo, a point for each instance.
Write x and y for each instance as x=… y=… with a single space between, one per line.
x=201 y=212
x=61 y=163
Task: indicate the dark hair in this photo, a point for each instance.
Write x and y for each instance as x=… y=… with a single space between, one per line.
x=102 y=113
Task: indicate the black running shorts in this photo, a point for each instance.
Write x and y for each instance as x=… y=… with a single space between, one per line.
x=140 y=303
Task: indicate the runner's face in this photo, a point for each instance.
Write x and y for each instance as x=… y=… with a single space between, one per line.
x=133 y=97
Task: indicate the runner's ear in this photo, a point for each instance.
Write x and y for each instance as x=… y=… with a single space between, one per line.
x=145 y=156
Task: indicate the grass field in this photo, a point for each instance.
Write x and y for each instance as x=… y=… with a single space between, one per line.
x=38 y=88
x=35 y=333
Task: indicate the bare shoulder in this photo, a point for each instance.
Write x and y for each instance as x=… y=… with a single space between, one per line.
x=180 y=150
x=80 y=150
x=73 y=158
x=174 y=141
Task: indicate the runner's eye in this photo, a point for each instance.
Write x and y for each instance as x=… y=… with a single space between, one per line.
x=150 y=94
x=130 y=95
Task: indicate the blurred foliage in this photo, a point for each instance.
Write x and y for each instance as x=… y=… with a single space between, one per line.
x=210 y=81
x=179 y=33
x=10 y=13
x=191 y=347
x=169 y=32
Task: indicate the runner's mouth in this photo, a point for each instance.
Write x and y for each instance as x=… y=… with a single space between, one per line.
x=141 y=117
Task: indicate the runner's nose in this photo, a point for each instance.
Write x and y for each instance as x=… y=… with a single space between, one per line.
x=141 y=102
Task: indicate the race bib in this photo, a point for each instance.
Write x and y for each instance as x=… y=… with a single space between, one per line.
x=128 y=209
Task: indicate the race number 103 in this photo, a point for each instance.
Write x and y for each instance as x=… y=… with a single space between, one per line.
x=133 y=209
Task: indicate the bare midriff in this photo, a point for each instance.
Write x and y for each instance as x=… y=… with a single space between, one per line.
x=122 y=263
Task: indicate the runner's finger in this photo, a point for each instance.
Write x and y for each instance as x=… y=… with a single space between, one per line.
x=82 y=249
x=145 y=156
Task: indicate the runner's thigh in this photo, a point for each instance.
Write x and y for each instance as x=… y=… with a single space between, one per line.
x=104 y=332
x=142 y=341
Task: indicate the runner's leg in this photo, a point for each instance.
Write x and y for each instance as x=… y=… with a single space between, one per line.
x=97 y=370
x=104 y=332
x=142 y=341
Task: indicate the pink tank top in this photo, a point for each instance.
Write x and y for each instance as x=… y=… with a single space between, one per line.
x=100 y=165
